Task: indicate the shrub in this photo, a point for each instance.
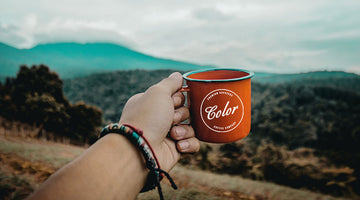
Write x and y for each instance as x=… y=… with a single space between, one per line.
x=35 y=96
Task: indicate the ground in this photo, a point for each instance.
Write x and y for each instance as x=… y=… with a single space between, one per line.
x=26 y=163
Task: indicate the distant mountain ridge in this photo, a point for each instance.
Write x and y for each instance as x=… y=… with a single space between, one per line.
x=335 y=79
x=74 y=59
x=284 y=78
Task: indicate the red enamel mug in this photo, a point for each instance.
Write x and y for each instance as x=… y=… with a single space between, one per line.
x=219 y=101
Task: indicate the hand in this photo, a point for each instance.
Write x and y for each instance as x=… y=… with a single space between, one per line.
x=159 y=111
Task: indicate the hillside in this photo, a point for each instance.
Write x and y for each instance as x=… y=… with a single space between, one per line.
x=25 y=164
x=286 y=117
x=74 y=59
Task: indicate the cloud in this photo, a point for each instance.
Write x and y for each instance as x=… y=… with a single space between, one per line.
x=353 y=69
x=10 y=35
x=80 y=31
x=278 y=35
x=34 y=32
x=211 y=14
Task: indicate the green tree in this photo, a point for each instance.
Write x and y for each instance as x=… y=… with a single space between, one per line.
x=45 y=111
x=84 y=120
x=35 y=96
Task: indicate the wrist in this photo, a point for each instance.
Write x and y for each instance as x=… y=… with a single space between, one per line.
x=136 y=137
x=149 y=133
x=117 y=143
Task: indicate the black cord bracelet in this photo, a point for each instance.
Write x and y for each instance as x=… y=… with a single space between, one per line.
x=136 y=137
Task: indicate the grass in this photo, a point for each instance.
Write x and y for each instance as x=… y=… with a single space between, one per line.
x=15 y=186
x=193 y=184
x=264 y=190
x=179 y=194
x=52 y=153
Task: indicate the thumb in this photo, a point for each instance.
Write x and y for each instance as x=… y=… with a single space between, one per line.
x=173 y=83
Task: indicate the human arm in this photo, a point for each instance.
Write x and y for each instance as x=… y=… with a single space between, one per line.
x=113 y=168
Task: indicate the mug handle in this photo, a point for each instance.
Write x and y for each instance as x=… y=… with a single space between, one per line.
x=186 y=89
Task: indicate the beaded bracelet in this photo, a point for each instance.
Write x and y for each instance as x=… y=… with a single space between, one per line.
x=137 y=138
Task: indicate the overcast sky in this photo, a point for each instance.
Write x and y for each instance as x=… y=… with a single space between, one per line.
x=281 y=36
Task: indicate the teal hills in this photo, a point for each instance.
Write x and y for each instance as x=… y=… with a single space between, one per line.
x=73 y=59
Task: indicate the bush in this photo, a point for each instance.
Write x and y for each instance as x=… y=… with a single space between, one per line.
x=35 y=96
x=84 y=121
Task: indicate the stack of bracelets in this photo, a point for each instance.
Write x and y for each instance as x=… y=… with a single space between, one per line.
x=136 y=137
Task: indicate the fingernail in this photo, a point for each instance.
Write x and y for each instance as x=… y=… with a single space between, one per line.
x=184 y=145
x=179 y=132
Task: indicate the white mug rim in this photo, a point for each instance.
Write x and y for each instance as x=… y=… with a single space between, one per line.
x=186 y=75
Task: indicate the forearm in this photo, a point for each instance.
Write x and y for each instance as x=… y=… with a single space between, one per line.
x=110 y=169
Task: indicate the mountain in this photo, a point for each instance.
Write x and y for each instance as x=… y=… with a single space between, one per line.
x=74 y=59
x=285 y=78
x=335 y=79
x=71 y=60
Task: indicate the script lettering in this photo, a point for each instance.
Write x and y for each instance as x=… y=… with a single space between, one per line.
x=213 y=112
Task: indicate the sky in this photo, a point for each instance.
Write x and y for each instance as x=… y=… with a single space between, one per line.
x=279 y=36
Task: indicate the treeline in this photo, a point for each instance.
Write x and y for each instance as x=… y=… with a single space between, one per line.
x=110 y=91
x=35 y=96
x=320 y=117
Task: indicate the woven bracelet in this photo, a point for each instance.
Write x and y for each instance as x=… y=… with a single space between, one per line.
x=136 y=137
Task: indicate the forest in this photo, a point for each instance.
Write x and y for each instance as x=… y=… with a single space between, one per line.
x=304 y=134
x=35 y=96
